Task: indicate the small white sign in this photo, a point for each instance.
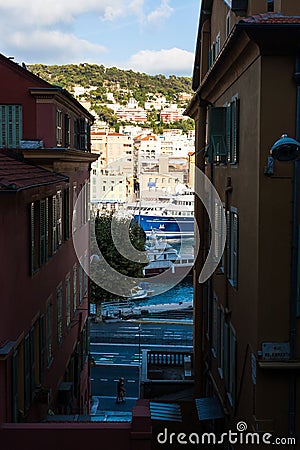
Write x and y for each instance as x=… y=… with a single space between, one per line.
x=275 y=351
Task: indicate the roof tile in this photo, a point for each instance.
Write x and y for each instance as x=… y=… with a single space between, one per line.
x=271 y=18
x=17 y=175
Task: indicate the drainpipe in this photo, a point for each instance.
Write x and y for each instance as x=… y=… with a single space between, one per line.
x=295 y=249
x=199 y=336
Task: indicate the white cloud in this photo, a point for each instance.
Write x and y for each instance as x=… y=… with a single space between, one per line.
x=49 y=46
x=174 y=60
x=50 y=12
x=162 y=12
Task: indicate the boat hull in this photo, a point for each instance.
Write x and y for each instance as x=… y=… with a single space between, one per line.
x=167 y=226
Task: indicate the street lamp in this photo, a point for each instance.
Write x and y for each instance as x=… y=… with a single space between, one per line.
x=288 y=149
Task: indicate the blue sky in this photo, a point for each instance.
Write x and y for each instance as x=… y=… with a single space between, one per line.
x=152 y=36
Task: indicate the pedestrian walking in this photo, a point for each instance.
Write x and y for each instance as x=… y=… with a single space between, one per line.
x=121 y=391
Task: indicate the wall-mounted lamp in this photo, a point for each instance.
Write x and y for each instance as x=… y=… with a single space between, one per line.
x=286 y=149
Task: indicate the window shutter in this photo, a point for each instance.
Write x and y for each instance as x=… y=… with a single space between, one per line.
x=32 y=362
x=59 y=217
x=41 y=346
x=15 y=390
x=42 y=230
x=68 y=301
x=54 y=221
x=59 y=315
x=49 y=332
x=233 y=357
x=228 y=131
x=67 y=214
x=298 y=276
x=26 y=372
x=10 y=126
x=67 y=131
x=234 y=131
x=217 y=134
x=228 y=244
x=234 y=245
x=32 y=240
x=74 y=288
x=226 y=355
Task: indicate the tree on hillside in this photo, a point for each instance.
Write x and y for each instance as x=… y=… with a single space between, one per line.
x=103 y=224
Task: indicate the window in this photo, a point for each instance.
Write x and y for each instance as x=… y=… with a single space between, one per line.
x=68 y=300
x=10 y=126
x=58 y=128
x=232 y=224
x=59 y=315
x=49 y=345
x=271 y=5
x=217 y=134
x=230 y=357
x=223 y=133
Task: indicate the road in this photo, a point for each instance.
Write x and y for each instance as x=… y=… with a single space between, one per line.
x=104 y=382
x=146 y=333
x=117 y=348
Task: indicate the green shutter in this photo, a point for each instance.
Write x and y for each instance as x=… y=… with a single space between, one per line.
x=228 y=131
x=10 y=126
x=234 y=131
x=217 y=134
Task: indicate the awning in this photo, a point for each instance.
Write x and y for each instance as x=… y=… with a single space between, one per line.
x=165 y=411
x=209 y=408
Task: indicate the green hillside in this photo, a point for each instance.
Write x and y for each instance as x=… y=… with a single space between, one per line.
x=123 y=83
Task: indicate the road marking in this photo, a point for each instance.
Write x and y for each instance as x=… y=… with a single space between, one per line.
x=103 y=379
x=92 y=379
x=116 y=344
x=131 y=381
x=112 y=396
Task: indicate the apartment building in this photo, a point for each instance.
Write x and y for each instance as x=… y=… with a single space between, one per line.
x=45 y=160
x=246 y=315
